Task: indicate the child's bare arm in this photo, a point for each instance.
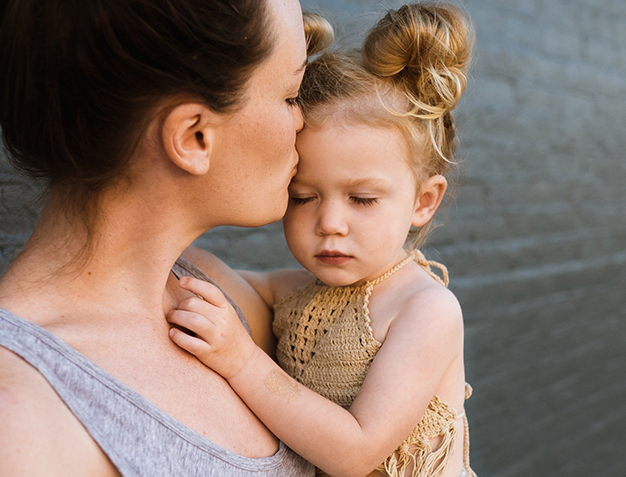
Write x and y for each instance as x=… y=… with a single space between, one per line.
x=420 y=346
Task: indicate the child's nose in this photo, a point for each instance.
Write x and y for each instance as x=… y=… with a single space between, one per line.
x=332 y=221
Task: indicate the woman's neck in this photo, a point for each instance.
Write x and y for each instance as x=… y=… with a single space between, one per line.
x=125 y=267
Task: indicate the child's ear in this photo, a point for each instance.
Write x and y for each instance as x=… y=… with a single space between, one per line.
x=187 y=135
x=430 y=196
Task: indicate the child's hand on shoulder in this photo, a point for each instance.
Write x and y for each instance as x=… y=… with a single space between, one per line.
x=221 y=342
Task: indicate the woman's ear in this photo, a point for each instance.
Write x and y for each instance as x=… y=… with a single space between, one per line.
x=430 y=196
x=187 y=135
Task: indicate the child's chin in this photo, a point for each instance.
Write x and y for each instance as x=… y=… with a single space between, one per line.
x=337 y=281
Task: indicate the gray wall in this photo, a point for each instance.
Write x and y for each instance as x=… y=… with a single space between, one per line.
x=535 y=237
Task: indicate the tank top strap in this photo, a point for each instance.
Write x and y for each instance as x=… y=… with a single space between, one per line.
x=417 y=256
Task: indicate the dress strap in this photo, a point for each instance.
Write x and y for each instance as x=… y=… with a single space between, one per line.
x=466 y=444
x=417 y=256
x=466 y=441
x=392 y=270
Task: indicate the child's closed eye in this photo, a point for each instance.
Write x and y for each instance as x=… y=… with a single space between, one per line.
x=364 y=200
x=300 y=200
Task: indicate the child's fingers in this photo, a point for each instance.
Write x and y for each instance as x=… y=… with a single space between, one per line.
x=193 y=345
x=198 y=305
x=206 y=290
x=192 y=321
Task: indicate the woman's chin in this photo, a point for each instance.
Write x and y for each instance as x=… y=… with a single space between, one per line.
x=266 y=217
x=279 y=212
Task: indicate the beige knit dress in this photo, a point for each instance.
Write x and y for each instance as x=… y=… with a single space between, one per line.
x=325 y=342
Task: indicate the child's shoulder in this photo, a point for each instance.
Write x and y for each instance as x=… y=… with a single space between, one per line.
x=413 y=302
x=430 y=308
x=286 y=281
x=275 y=285
x=426 y=326
x=432 y=298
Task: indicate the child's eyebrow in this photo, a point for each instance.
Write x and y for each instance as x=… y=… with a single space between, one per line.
x=302 y=67
x=367 y=182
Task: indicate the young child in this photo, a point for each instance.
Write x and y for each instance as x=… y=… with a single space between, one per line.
x=370 y=344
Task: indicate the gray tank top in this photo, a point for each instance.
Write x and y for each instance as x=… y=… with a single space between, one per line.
x=138 y=438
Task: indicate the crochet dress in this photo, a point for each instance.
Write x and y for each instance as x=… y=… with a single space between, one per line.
x=325 y=342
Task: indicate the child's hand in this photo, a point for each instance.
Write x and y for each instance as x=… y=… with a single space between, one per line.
x=221 y=341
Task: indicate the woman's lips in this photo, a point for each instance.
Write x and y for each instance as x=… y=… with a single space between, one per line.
x=333 y=257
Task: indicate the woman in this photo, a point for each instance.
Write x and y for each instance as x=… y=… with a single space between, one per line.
x=152 y=121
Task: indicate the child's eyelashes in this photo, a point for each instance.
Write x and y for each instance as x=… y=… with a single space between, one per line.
x=300 y=200
x=293 y=101
x=364 y=200
x=369 y=201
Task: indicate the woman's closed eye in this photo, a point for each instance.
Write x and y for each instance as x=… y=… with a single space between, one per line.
x=364 y=200
x=293 y=101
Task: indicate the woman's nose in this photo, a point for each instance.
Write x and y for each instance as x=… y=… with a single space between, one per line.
x=332 y=221
x=298 y=118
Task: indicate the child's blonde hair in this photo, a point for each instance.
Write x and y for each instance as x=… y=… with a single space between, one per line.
x=409 y=75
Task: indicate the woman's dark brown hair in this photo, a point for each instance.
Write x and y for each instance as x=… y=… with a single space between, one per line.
x=80 y=78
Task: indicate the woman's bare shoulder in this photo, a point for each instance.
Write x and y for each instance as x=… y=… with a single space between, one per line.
x=20 y=383
x=40 y=435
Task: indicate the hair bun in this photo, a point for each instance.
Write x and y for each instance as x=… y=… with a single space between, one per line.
x=318 y=32
x=426 y=50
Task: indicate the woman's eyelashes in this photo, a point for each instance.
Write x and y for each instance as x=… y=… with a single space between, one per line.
x=293 y=101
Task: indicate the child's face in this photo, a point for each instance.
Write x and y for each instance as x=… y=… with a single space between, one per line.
x=351 y=203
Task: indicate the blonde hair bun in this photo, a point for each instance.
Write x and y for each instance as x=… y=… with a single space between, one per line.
x=425 y=49
x=318 y=32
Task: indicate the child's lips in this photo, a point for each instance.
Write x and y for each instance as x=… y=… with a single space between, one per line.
x=333 y=257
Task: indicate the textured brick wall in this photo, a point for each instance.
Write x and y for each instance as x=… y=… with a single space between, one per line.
x=535 y=239
x=18 y=210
